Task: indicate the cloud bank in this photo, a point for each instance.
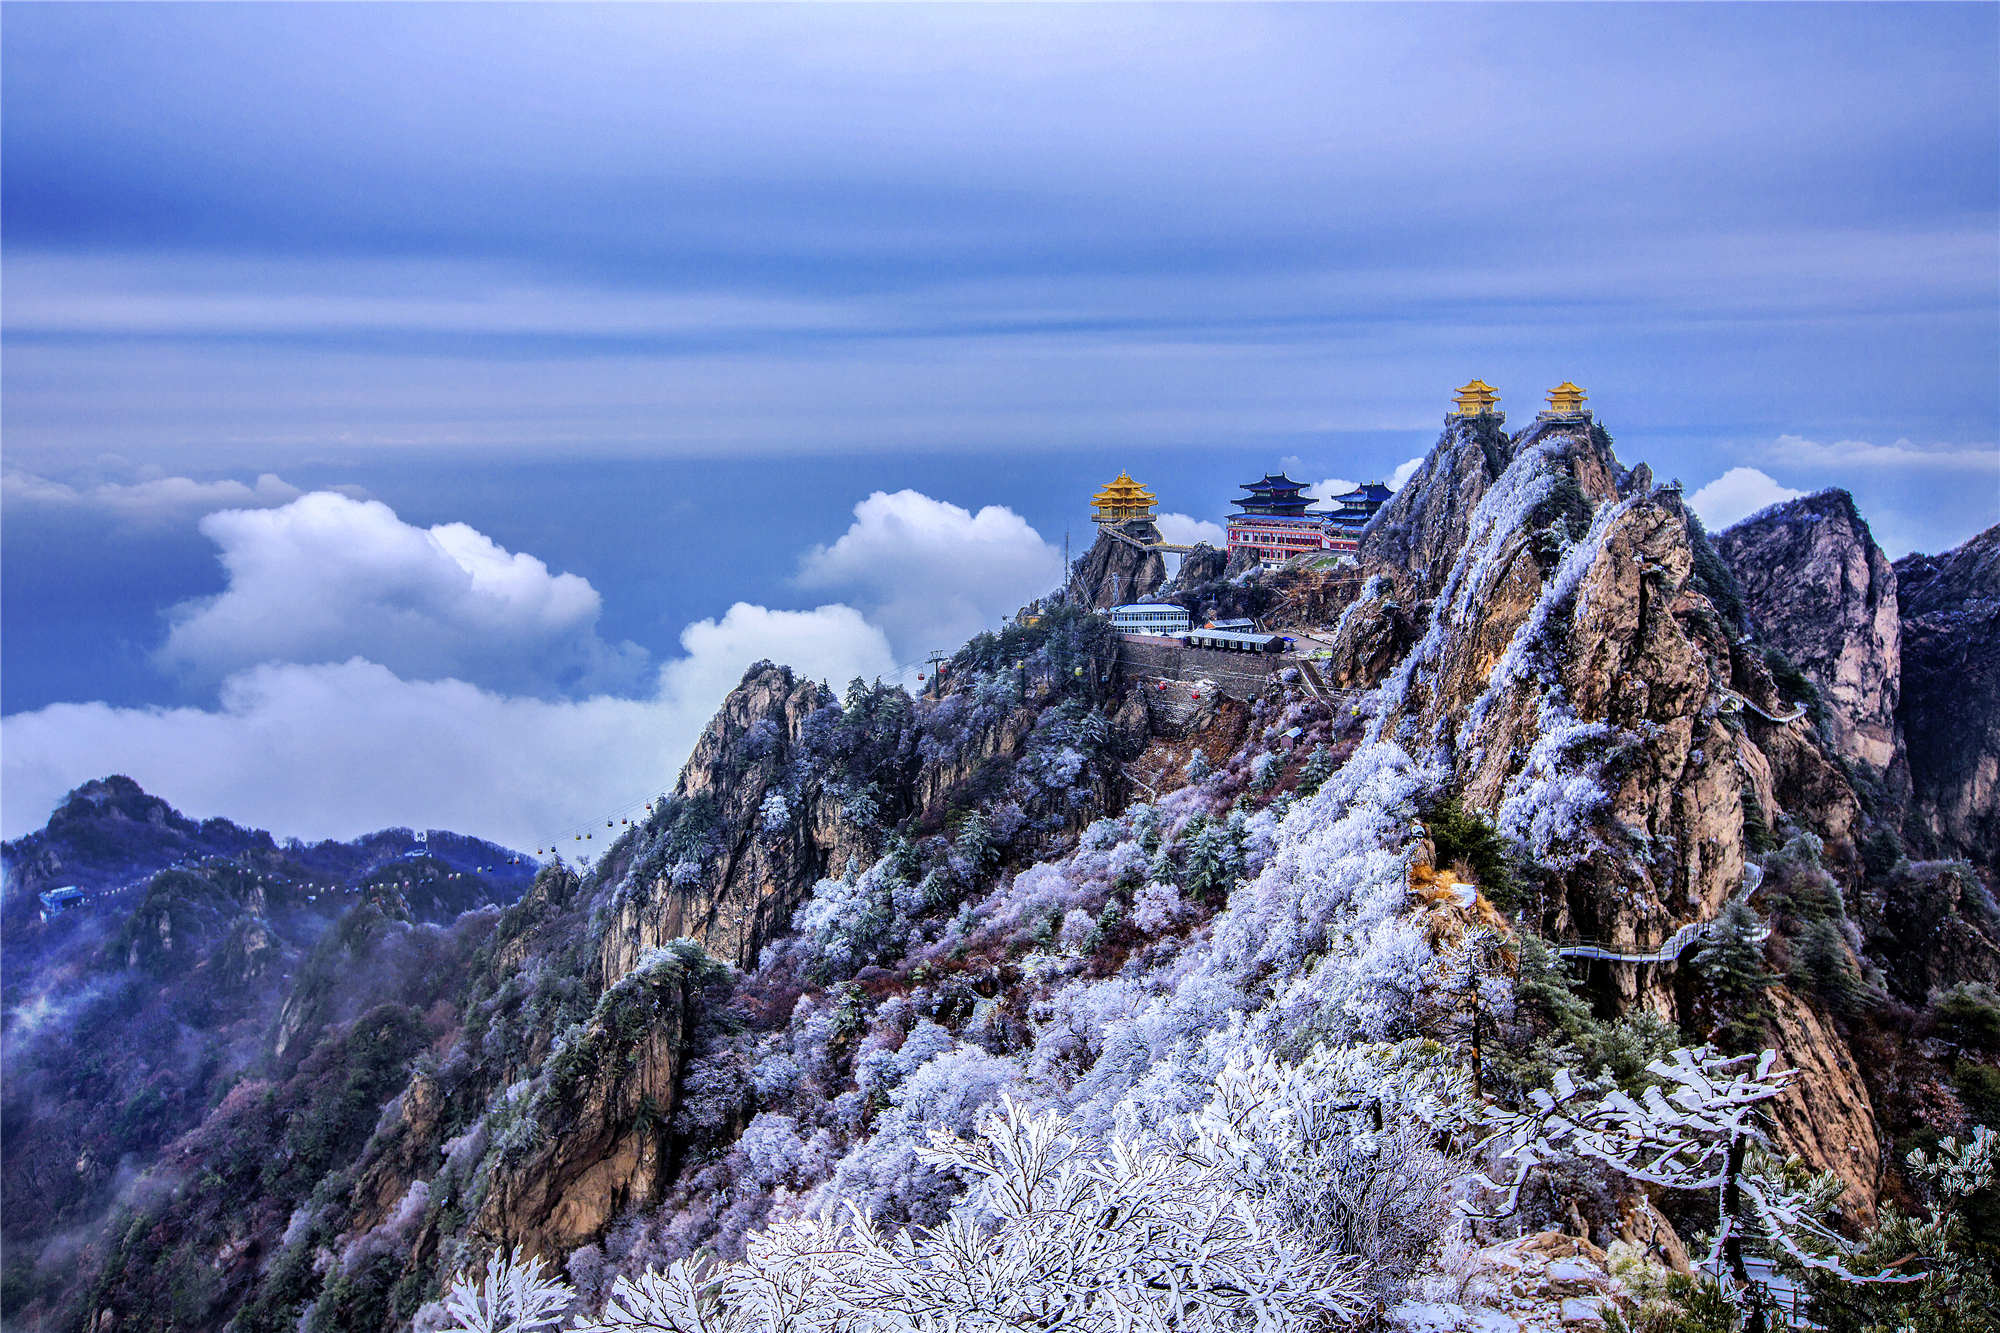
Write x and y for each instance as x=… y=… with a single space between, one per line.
x=326 y=578
x=930 y=573
x=160 y=500
x=332 y=750
x=1737 y=494
x=1186 y=530
x=370 y=672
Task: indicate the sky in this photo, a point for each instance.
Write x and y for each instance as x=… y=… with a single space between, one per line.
x=422 y=414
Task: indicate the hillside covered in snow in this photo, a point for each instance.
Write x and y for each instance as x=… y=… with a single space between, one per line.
x=1568 y=965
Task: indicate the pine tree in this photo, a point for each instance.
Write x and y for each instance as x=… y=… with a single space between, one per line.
x=1732 y=965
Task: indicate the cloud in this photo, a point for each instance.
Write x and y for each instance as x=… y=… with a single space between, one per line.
x=159 y=500
x=327 y=578
x=1737 y=494
x=930 y=573
x=1324 y=491
x=1404 y=471
x=1185 y=530
x=332 y=750
x=1901 y=454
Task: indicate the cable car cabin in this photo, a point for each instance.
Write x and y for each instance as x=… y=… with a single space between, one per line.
x=1234 y=641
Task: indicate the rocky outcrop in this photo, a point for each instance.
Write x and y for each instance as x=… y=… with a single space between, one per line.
x=712 y=865
x=1818 y=588
x=1825 y=1116
x=1574 y=678
x=1118 y=568
x=1203 y=564
x=1420 y=531
x=1950 y=711
x=1371 y=636
x=601 y=1109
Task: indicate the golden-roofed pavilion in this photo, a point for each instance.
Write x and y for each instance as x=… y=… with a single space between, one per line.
x=1476 y=399
x=1123 y=501
x=1566 y=400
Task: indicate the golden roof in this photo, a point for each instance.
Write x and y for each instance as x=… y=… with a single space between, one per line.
x=1475 y=398
x=1124 y=492
x=1566 y=397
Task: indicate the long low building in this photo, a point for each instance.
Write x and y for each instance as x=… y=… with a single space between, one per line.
x=1150 y=618
x=1235 y=641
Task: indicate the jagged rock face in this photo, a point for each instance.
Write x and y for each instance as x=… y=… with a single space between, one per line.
x=1951 y=696
x=745 y=891
x=1575 y=681
x=1582 y=687
x=1423 y=528
x=1116 y=571
x=1825 y=1116
x=1201 y=565
x=1371 y=636
x=1820 y=590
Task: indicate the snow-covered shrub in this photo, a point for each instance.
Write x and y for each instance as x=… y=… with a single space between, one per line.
x=1058 y=1231
x=775 y=815
x=1158 y=908
x=1343 y=1147
x=1078 y=932
x=515 y=1296
x=1551 y=804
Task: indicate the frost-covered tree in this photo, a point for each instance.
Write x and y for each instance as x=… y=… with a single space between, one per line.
x=1692 y=1130
x=775 y=814
x=1345 y=1146
x=515 y=1296
x=1058 y=1232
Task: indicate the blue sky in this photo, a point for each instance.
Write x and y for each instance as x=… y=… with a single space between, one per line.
x=652 y=298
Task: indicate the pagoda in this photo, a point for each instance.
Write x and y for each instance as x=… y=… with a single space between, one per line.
x=1274 y=494
x=1476 y=399
x=1565 y=401
x=1356 y=507
x=1272 y=522
x=1123 y=501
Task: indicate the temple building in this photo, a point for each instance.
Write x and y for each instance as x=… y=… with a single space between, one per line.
x=1476 y=399
x=1351 y=513
x=1565 y=404
x=1272 y=520
x=1123 y=501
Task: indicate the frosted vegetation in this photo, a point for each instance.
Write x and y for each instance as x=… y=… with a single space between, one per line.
x=1207 y=1063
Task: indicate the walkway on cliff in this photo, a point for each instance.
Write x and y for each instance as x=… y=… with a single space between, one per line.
x=1677 y=943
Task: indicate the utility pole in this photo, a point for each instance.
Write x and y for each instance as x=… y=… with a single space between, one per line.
x=937 y=660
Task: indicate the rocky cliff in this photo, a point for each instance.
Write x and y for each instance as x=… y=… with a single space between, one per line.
x=710 y=861
x=1950 y=710
x=1118 y=568
x=1574 y=678
x=1819 y=590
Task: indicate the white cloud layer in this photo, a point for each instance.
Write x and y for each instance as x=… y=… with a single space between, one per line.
x=1737 y=494
x=1323 y=491
x=155 y=500
x=1902 y=454
x=1404 y=471
x=1186 y=530
x=327 y=578
x=332 y=750
x=930 y=573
